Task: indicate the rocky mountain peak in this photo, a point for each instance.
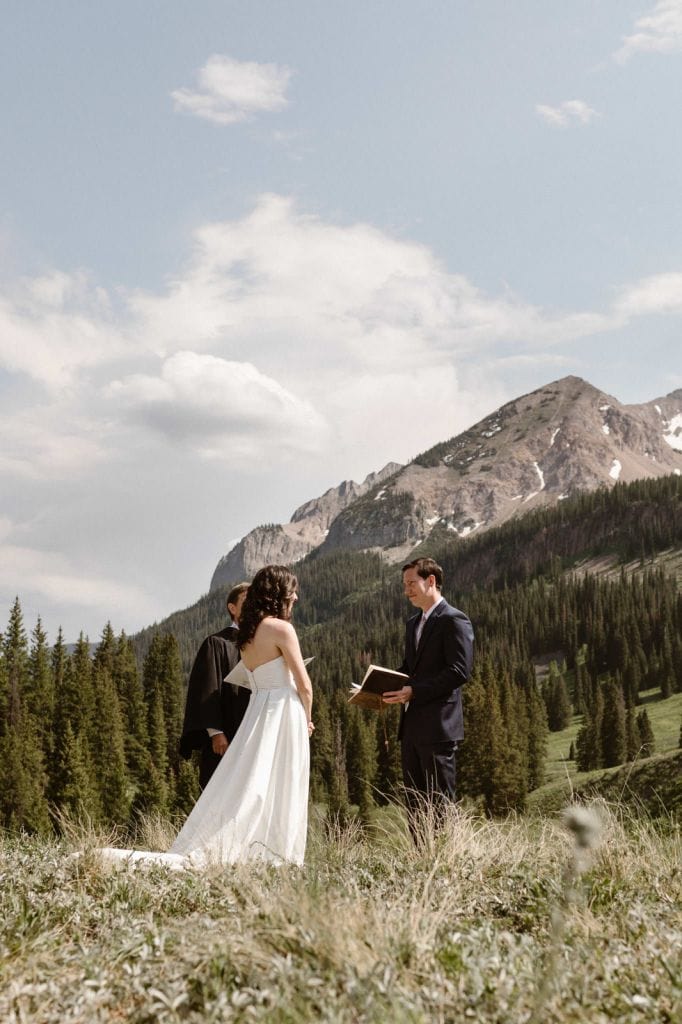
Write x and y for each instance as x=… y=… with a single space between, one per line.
x=535 y=450
x=287 y=543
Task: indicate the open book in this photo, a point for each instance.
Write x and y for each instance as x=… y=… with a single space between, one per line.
x=377 y=681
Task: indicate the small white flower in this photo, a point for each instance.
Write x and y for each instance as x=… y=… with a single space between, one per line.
x=584 y=824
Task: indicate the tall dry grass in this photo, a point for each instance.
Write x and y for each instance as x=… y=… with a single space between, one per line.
x=479 y=920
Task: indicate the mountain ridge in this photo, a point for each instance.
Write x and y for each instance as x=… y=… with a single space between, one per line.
x=536 y=450
x=284 y=543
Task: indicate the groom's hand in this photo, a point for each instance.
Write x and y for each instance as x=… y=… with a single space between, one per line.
x=219 y=743
x=398 y=696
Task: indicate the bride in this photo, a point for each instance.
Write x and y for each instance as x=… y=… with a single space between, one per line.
x=255 y=806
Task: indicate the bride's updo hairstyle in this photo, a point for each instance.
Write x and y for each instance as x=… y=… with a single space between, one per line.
x=270 y=593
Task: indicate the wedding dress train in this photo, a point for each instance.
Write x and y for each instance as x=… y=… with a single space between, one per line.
x=255 y=806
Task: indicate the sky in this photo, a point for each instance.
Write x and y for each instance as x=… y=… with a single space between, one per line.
x=250 y=249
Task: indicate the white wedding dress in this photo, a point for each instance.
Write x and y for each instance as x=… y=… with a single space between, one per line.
x=255 y=806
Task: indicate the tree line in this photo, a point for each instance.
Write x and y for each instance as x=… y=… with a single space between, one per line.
x=97 y=732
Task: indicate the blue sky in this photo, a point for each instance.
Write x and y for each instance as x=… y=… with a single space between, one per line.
x=248 y=250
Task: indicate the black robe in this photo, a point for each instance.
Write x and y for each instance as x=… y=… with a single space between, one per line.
x=211 y=703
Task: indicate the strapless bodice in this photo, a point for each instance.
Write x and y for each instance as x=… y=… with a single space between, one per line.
x=271 y=675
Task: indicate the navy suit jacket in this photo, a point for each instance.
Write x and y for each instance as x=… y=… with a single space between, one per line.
x=437 y=669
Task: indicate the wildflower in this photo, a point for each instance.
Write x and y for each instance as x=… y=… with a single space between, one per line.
x=585 y=825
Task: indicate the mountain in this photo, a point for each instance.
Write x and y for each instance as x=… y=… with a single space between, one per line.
x=534 y=451
x=306 y=530
x=630 y=528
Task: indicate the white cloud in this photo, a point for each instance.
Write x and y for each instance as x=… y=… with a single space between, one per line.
x=275 y=316
x=5 y=528
x=224 y=409
x=659 y=31
x=231 y=91
x=304 y=296
x=52 y=327
x=50 y=575
x=528 y=359
x=568 y=112
x=49 y=443
x=660 y=293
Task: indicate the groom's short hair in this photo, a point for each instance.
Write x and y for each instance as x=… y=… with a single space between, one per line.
x=427 y=567
x=236 y=593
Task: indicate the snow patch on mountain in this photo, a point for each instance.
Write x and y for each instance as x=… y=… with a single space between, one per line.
x=673 y=435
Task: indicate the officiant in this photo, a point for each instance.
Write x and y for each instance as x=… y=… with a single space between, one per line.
x=214 y=709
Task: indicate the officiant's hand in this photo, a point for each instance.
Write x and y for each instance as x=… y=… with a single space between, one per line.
x=398 y=696
x=219 y=743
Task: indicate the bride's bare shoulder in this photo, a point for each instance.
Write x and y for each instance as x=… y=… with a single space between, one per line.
x=273 y=627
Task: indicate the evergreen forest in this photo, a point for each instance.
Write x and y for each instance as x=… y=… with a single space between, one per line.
x=94 y=730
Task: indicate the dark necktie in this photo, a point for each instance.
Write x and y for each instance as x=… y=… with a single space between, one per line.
x=420 y=629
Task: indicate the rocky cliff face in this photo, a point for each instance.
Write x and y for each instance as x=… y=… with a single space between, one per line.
x=287 y=543
x=536 y=450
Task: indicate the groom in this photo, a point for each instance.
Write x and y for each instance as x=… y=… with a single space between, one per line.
x=214 y=709
x=439 y=647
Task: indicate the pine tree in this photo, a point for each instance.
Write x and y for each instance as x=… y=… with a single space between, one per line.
x=494 y=790
x=172 y=690
x=653 y=676
x=58 y=666
x=14 y=647
x=588 y=741
x=339 y=804
x=73 y=782
x=22 y=778
x=667 y=684
x=558 y=704
x=389 y=768
x=80 y=695
x=361 y=761
x=321 y=751
x=187 y=790
x=646 y=734
x=155 y=796
x=613 y=725
x=134 y=712
x=667 y=666
x=677 y=663
x=632 y=737
x=109 y=754
x=105 y=651
x=510 y=783
x=579 y=685
x=473 y=754
x=162 y=685
x=39 y=687
x=632 y=681
x=4 y=691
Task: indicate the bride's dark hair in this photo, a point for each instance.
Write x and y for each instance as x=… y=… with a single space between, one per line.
x=270 y=593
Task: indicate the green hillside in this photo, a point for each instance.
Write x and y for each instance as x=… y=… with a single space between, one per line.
x=652 y=786
x=631 y=527
x=533 y=588
x=562 y=654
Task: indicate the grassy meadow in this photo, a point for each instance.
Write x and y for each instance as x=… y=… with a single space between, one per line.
x=652 y=785
x=665 y=717
x=519 y=920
